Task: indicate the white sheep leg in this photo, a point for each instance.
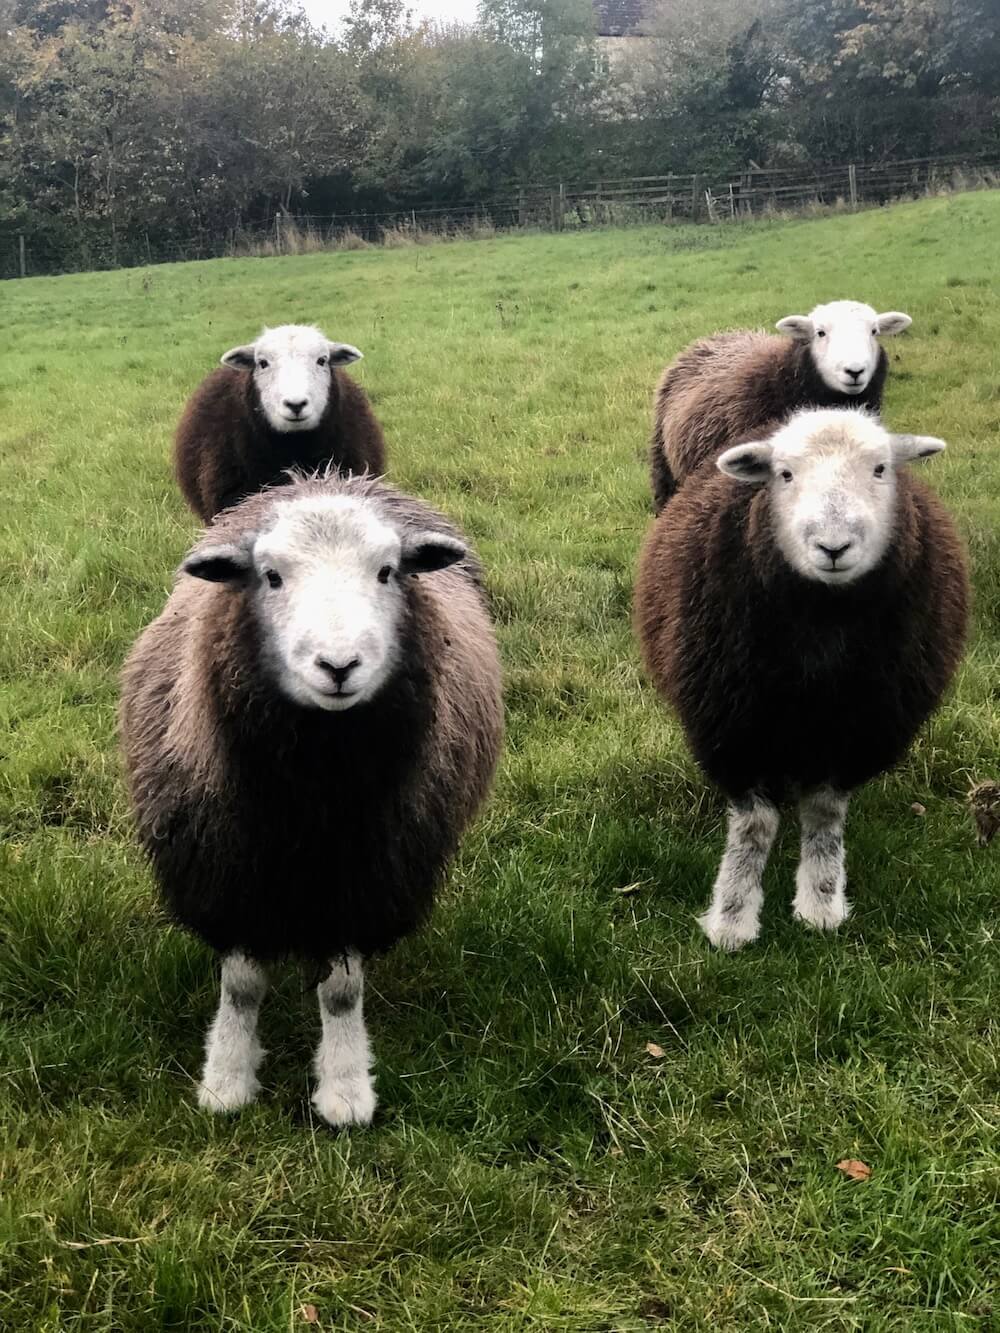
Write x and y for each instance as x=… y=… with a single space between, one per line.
x=232 y=1051
x=733 y=916
x=345 y=1091
x=820 y=881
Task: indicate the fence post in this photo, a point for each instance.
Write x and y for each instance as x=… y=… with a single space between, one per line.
x=670 y=196
x=696 y=197
x=557 y=203
x=20 y=254
x=277 y=232
x=852 y=183
x=746 y=193
x=520 y=207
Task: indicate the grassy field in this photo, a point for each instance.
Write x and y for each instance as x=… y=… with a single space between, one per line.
x=533 y=1164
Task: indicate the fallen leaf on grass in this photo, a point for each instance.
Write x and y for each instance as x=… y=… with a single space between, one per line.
x=657 y=1052
x=624 y=889
x=984 y=802
x=918 y=809
x=853 y=1169
x=309 y=1313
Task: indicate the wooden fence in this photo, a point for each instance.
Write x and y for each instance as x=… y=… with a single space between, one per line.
x=703 y=197
x=556 y=206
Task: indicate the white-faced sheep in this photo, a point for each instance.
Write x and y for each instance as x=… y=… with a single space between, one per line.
x=307 y=729
x=278 y=403
x=726 y=387
x=803 y=604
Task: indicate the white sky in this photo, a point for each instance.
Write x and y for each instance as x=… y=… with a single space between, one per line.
x=329 y=12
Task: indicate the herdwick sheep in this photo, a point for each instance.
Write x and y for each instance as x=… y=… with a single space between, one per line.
x=728 y=386
x=803 y=604
x=307 y=729
x=278 y=403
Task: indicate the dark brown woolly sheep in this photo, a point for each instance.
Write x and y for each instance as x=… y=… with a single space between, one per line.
x=307 y=729
x=803 y=605
x=281 y=402
x=728 y=386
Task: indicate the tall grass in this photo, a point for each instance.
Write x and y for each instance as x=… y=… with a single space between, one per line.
x=293 y=236
x=302 y=236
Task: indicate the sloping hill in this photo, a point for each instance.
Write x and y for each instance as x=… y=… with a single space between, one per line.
x=534 y=1166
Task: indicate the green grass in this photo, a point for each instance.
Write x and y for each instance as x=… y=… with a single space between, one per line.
x=532 y=1165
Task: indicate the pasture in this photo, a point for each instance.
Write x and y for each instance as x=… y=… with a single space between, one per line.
x=588 y=1119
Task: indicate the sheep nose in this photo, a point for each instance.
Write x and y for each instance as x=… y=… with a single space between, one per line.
x=855 y=372
x=338 y=674
x=834 y=552
x=295 y=406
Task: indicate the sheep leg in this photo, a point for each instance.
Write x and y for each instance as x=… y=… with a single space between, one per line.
x=232 y=1051
x=820 y=881
x=345 y=1091
x=733 y=916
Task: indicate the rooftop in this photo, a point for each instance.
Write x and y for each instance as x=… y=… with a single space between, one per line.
x=616 y=18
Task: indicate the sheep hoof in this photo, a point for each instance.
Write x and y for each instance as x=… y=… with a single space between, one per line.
x=820 y=911
x=349 y=1101
x=222 y=1090
x=727 y=931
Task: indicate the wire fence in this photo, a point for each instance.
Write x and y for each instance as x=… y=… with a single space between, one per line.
x=697 y=197
x=704 y=197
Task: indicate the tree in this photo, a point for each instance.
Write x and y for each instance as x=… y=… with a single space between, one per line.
x=128 y=126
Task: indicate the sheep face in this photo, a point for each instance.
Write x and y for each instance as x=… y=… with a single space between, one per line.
x=326 y=583
x=842 y=338
x=292 y=373
x=831 y=474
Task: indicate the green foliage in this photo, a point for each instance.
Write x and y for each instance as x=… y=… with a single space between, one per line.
x=126 y=128
x=926 y=46
x=165 y=120
x=533 y=1166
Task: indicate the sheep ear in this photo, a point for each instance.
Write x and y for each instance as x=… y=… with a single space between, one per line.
x=219 y=564
x=425 y=552
x=799 y=327
x=893 y=321
x=240 y=358
x=342 y=354
x=905 y=448
x=747 y=462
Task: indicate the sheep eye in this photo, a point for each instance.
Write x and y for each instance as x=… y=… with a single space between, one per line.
x=821 y=333
x=385 y=573
x=262 y=365
x=321 y=361
x=273 y=578
x=786 y=475
x=879 y=469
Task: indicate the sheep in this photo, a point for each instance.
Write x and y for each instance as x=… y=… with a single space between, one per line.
x=307 y=729
x=803 y=604
x=278 y=403
x=731 y=384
